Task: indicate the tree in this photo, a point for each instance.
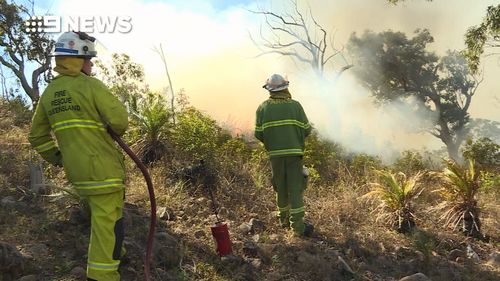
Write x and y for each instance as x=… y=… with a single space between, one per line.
x=486 y=35
x=393 y=67
x=19 y=47
x=483 y=128
x=125 y=79
x=299 y=36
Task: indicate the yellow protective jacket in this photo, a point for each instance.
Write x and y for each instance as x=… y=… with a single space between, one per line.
x=77 y=109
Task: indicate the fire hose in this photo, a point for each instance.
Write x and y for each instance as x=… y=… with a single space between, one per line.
x=147 y=177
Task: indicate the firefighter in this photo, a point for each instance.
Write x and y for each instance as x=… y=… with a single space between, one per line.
x=282 y=126
x=77 y=109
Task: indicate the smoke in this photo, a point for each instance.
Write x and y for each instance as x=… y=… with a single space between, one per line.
x=346 y=113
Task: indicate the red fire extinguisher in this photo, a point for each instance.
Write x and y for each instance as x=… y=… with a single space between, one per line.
x=220 y=231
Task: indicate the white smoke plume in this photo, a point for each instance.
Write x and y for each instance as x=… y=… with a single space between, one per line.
x=346 y=113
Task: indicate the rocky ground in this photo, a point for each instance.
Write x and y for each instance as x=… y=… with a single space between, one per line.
x=44 y=237
x=44 y=234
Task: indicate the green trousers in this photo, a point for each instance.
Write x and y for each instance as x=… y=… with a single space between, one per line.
x=106 y=236
x=289 y=184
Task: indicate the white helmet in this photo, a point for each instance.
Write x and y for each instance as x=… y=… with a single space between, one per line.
x=276 y=83
x=75 y=44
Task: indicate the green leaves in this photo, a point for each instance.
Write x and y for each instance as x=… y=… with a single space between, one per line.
x=125 y=78
x=477 y=37
x=151 y=123
x=396 y=192
x=461 y=182
x=196 y=134
x=394 y=67
x=460 y=187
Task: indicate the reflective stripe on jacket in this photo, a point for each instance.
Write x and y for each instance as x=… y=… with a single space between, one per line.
x=77 y=109
x=282 y=125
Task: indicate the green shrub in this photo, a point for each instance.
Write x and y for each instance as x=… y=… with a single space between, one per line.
x=484 y=152
x=362 y=165
x=17 y=110
x=397 y=193
x=322 y=155
x=197 y=135
x=150 y=125
x=461 y=185
x=409 y=163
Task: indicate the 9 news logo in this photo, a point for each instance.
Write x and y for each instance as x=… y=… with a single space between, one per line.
x=89 y=24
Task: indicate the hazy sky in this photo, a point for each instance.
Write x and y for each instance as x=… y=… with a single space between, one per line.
x=210 y=55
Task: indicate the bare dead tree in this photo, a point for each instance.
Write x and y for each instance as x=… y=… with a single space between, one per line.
x=160 y=52
x=299 y=36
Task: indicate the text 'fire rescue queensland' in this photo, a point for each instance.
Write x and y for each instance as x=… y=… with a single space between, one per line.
x=89 y=24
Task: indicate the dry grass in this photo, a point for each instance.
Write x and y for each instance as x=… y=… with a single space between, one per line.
x=345 y=226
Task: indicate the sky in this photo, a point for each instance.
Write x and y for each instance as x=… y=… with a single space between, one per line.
x=210 y=55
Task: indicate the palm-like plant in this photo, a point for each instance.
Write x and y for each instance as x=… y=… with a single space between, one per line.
x=397 y=192
x=460 y=187
x=152 y=122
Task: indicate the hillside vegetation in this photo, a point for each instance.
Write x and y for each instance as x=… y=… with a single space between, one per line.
x=372 y=221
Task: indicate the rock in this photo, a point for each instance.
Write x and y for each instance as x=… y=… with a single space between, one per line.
x=471 y=254
x=382 y=247
x=165 y=238
x=250 y=249
x=447 y=270
x=256 y=238
x=403 y=252
x=201 y=201
x=420 y=256
x=245 y=228
x=304 y=257
x=256 y=225
x=11 y=261
x=456 y=253
x=79 y=273
x=494 y=259
x=78 y=216
x=274 y=276
x=199 y=233
x=344 y=266
x=253 y=215
x=231 y=259
x=162 y=213
x=257 y=263
x=166 y=250
x=58 y=226
x=415 y=277
x=166 y=275
x=274 y=237
x=29 y=278
x=39 y=251
x=332 y=252
x=181 y=213
x=8 y=202
x=223 y=212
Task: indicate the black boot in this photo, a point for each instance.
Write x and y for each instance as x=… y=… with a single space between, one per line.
x=308 y=230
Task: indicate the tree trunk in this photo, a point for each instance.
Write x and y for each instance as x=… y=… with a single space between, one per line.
x=452 y=149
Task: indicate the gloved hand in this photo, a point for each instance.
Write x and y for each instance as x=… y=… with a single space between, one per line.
x=305 y=173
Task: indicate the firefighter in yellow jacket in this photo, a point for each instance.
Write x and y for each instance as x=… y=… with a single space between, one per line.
x=77 y=108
